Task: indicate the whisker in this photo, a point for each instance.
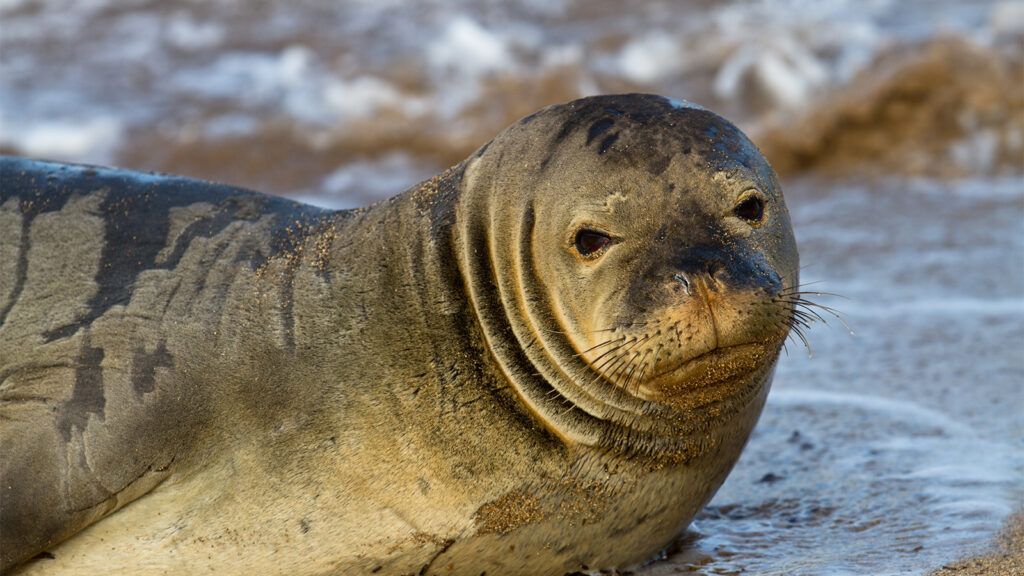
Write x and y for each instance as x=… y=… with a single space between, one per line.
x=803 y=338
x=811 y=314
x=643 y=362
x=812 y=293
x=807 y=304
x=629 y=376
x=607 y=352
x=596 y=346
x=616 y=360
x=639 y=379
x=803 y=319
x=623 y=367
x=625 y=353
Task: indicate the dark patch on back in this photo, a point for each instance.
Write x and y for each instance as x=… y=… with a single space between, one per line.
x=62 y=332
x=598 y=128
x=207 y=227
x=136 y=226
x=87 y=396
x=34 y=184
x=289 y=240
x=36 y=193
x=144 y=365
x=607 y=143
x=570 y=124
x=136 y=215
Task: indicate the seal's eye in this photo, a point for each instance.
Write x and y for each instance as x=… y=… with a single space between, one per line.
x=591 y=242
x=750 y=209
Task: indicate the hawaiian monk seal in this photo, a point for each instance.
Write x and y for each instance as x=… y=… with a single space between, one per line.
x=545 y=359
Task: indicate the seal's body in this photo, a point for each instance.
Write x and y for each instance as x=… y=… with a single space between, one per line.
x=545 y=359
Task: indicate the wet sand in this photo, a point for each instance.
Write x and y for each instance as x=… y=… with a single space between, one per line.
x=1006 y=560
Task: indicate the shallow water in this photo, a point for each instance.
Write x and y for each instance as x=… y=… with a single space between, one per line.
x=893 y=450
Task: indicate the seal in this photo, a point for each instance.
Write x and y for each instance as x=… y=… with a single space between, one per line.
x=545 y=359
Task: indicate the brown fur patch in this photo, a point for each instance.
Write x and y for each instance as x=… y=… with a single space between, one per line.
x=505 y=514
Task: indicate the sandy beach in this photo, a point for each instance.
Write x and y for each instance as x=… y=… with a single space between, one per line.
x=1006 y=560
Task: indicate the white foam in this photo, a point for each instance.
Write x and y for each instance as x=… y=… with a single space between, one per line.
x=561 y=55
x=977 y=152
x=184 y=33
x=467 y=48
x=296 y=81
x=649 y=58
x=226 y=126
x=784 y=70
x=1007 y=18
x=78 y=139
x=251 y=77
x=359 y=183
x=363 y=96
x=811 y=46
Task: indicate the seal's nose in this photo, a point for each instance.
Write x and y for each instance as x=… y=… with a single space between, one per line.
x=700 y=267
x=720 y=270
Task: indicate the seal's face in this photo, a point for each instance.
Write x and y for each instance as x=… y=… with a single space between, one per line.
x=652 y=245
x=667 y=276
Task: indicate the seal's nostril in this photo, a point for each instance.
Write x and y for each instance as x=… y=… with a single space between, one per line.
x=682 y=279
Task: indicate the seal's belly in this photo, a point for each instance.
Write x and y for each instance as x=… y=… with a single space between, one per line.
x=186 y=527
x=222 y=520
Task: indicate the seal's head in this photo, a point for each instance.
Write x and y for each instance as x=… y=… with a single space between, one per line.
x=630 y=259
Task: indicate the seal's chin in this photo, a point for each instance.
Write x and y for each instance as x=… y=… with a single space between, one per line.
x=708 y=377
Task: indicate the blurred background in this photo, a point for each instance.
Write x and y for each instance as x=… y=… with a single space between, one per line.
x=897 y=128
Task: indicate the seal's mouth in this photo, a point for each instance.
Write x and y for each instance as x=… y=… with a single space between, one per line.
x=709 y=372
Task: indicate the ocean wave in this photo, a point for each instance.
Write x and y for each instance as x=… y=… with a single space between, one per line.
x=946 y=108
x=840 y=86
